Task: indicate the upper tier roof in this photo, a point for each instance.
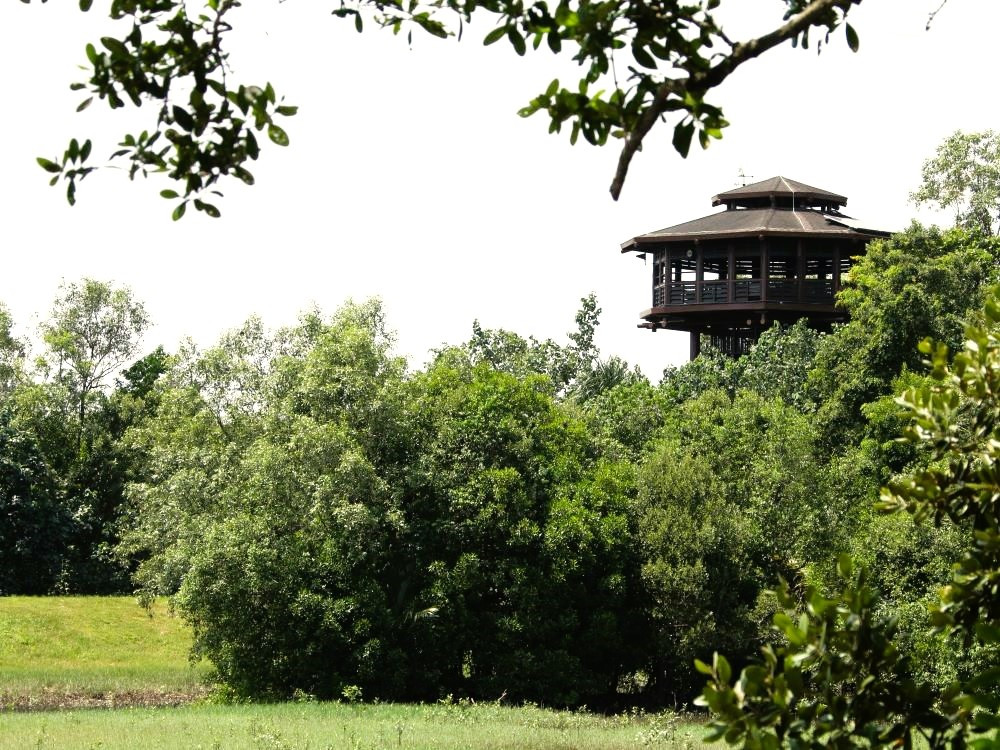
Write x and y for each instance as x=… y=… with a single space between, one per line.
x=779 y=186
x=766 y=208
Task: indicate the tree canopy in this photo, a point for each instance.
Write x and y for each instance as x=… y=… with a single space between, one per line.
x=964 y=175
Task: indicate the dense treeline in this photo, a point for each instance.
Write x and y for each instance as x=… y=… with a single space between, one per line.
x=519 y=517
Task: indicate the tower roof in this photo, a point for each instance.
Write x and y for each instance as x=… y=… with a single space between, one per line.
x=753 y=221
x=775 y=186
x=776 y=206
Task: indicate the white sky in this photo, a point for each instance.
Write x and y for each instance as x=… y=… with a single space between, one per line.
x=411 y=177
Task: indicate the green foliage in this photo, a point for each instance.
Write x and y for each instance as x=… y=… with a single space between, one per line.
x=536 y=557
x=919 y=283
x=206 y=126
x=840 y=680
x=64 y=408
x=574 y=369
x=777 y=366
x=965 y=175
x=93 y=330
x=626 y=418
x=36 y=525
x=958 y=417
x=328 y=521
x=708 y=371
x=727 y=503
x=11 y=353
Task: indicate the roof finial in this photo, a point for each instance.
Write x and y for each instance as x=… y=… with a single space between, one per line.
x=743 y=177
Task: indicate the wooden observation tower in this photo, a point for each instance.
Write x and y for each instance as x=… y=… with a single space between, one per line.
x=779 y=252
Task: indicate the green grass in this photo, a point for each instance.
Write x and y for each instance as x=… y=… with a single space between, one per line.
x=352 y=727
x=92 y=646
x=71 y=652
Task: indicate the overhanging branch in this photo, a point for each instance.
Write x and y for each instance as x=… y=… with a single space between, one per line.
x=703 y=81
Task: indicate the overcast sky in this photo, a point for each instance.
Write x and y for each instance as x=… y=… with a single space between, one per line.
x=411 y=177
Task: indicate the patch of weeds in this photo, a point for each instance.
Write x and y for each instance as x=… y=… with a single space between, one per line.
x=223 y=695
x=351 y=694
x=663 y=729
x=266 y=737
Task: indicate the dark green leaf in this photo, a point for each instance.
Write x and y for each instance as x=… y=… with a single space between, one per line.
x=852 y=37
x=643 y=57
x=496 y=35
x=277 y=135
x=516 y=40
x=114 y=46
x=208 y=208
x=49 y=166
x=183 y=118
x=683 y=133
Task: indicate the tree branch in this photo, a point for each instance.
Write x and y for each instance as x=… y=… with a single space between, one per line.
x=704 y=80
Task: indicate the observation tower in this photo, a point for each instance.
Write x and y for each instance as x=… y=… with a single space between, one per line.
x=778 y=252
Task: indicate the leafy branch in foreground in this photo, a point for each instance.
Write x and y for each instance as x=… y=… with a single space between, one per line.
x=641 y=62
x=204 y=128
x=838 y=681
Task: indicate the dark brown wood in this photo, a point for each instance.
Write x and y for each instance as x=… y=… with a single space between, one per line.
x=695 y=348
x=763 y=265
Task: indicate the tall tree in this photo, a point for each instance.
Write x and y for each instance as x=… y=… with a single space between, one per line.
x=327 y=520
x=573 y=368
x=918 y=283
x=93 y=330
x=964 y=175
x=11 y=351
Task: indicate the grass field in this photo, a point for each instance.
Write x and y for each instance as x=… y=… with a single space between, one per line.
x=352 y=727
x=78 y=651
x=81 y=654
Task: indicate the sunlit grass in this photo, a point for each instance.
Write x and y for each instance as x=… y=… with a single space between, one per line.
x=352 y=727
x=92 y=645
x=62 y=651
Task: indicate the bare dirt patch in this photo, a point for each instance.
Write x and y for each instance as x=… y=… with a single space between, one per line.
x=63 y=700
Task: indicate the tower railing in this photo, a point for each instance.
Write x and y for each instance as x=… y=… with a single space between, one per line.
x=742 y=291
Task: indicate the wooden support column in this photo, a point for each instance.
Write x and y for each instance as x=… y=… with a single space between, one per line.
x=730 y=285
x=836 y=270
x=699 y=275
x=695 y=343
x=800 y=276
x=763 y=269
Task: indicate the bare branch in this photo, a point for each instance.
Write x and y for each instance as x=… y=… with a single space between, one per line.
x=933 y=14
